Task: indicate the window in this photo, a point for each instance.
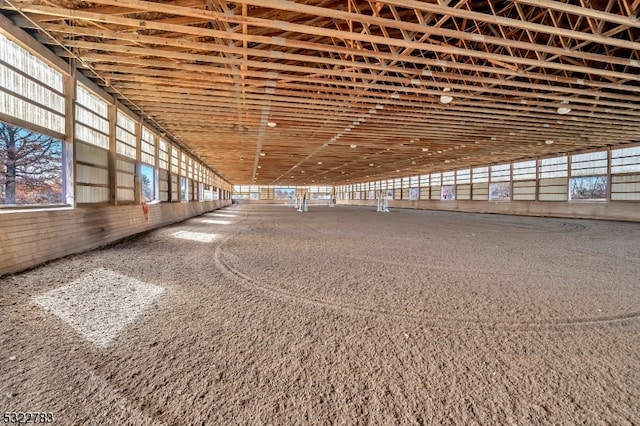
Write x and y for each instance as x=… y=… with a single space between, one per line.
x=448 y=178
x=30 y=89
x=524 y=170
x=183 y=164
x=148 y=145
x=480 y=175
x=125 y=180
x=148 y=171
x=553 y=167
x=125 y=135
x=625 y=171
x=30 y=167
x=163 y=172
x=501 y=173
x=148 y=183
x=175 y=165
x=588 y=176
x=163 y=154
x=590 y=164
x=625 y=160
x=183 y=189
x=436 y=179
x=588 y=188
x=92 y=118
x=448 y=193
x=463 y=176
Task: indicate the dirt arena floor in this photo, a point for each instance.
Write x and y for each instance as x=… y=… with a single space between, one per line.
x=257 y=314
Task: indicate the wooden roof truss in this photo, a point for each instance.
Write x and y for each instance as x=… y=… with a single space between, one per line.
x=355 y=88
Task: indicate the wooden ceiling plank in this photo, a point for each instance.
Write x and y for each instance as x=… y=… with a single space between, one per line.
x=325 y=47
x=266 y=75
x=345 y=35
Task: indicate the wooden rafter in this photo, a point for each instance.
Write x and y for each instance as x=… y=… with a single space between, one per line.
x=349 y=83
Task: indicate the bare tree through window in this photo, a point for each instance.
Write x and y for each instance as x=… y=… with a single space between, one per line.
x=30 y=167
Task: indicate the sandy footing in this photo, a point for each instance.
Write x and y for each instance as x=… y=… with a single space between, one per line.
x=259 y=314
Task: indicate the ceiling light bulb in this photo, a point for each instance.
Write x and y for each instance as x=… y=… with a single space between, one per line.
x=262 y=154
x=271 y=124
x=446 y=99
x=353 y=145
x=548 y=142
x=563 y=110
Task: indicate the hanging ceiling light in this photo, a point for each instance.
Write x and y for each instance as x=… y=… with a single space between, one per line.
x=445 y=99
x=564 y=108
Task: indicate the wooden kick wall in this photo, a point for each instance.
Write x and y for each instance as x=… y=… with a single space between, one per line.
x=32 y=237
x=611 y=210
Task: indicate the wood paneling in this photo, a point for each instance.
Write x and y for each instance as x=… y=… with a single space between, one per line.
x=627 y=211
x=553 y=189
x=523 y=190
x=463 y=192
x=625 y=188
x=30 y=238
x=480 y=191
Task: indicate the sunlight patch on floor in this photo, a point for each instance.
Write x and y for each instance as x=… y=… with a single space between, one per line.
x=216 y=222
x=100 y=304
x=222 y=214
x=201 y=237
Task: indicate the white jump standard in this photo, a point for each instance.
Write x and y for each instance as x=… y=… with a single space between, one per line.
x=303 y=205
x=383 y=203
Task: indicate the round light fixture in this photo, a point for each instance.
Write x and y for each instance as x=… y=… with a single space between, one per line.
x=271 y=124
x=446 y=99
x=563 y=110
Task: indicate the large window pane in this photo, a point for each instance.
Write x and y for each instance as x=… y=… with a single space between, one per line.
x=30 y=167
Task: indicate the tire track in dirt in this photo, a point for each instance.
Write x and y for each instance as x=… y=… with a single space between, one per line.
x=437 y=322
